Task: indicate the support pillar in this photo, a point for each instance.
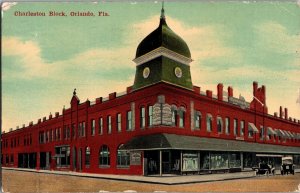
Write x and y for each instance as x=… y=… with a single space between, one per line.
x=160 y=163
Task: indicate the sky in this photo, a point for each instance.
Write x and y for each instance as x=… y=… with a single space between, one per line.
x=234 y=43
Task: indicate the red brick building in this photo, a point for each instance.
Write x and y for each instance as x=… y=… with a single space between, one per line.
x=162 y=124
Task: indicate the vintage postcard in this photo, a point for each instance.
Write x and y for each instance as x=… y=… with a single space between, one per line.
x=150 y=96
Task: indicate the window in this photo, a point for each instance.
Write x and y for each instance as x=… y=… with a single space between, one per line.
x=108 y=124
x=104 y=156
x=79 y=129
x=100 y=126
x=219 y=124
x=174 y=117
x=261 y=134
x=235 y=127
x=83 y=129
x=64 y=133
x=209 y=122
x=123 y=158
x=250 y=131
x=181 y=118
x=129 y=121
x=119 y=122
x=68 y=132
x=150 y=116
x=142 y=117
x=93 y=127
x=58 y=137
x=73 y=130
x=87 y=156
x=227 y=125
x=197 y=119
x=50 y=135
x=242 y=128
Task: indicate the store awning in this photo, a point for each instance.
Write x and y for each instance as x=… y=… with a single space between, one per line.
x=281 y=133
x=182 y=142
x=287 y=134
x=291 y=134
x=271 y=131
x=253 y=128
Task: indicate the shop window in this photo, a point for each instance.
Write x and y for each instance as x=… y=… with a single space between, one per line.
x=234 y=160
x=7 y=159
x=219 y=124
x=198 y=118
x=93 y=124
x=242 y=128
x=227 y=125
x=204 y=161
x=181 y=118
x=104 y=156
x=62 y=155
x=123 y=157
x=209 y=120
x=108 y=124
x=150 y=115
x=235 y=127
x=100 y=123
x=142 y=117
x=129 y=121
x=219 y=161
x=119 y=122
x=87 y=156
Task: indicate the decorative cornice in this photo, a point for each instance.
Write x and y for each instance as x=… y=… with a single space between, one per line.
x=162 y=51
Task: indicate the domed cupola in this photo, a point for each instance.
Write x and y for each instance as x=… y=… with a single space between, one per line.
x=162 y=56
x=163 y=36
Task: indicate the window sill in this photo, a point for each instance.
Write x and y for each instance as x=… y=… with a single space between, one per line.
x=123 y=167
x=104 y=166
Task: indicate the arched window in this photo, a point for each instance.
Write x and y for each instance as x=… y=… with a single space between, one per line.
x=181 y=116
x=87 y=156
x=198 y=118
x=150 y=115
x=209 y=122
x=227 y=125
x=104 y=156
x=174 y=115
x=220 y=124
x=123 y=157
x=142 y=117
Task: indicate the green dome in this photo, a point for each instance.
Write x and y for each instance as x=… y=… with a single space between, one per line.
x=165 y=37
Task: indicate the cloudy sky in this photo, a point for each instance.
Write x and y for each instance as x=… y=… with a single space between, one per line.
x=236 y=43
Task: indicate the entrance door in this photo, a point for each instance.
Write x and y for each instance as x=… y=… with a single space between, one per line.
x=152 y=162
x=166 y=162
x=79 y=159
x=74 y=159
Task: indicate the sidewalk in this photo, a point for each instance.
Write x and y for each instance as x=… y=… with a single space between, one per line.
x=164 y=180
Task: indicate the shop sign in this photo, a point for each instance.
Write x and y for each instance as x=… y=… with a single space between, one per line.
x=190 y=162
x=166 y=114
x=135 y=158
x=162 y=114
x=157 y=114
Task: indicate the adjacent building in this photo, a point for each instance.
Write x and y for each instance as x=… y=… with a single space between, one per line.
x=162 y=124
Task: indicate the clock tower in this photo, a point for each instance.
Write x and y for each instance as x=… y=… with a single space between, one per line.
x=162 y=56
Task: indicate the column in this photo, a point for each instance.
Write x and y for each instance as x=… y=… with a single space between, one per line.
x=160 y=163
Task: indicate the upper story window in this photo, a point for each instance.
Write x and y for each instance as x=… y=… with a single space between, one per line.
x=219 y=124
x=209 y=120
x=150 y=115
x=68 y=132
x=198 y=118
x=73 y=130
x=181 y=118
x=250 y=131
x=119 y=122
x=100 y=123
x=109 y=124
x=142 y=117
x=93 y=124
x=87 y=156
x=174 y=117
x=58 y=136
x=242 y=128
x=104 y=156
x=129 y=121
x=261 y=133
x=227 y=125
x=79 y=129
x=235 y=127
x=83 y=129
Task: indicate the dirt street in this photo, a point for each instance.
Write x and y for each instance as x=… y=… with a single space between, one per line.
x=19 y=181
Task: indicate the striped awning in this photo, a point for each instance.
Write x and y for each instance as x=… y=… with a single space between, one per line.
x=253 y=128
x=270 y=131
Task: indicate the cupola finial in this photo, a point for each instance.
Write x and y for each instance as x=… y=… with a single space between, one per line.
x=162 y=15
x=74 y=92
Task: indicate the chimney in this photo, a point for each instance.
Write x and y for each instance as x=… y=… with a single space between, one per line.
x=280 y=112
x=220 y=91
x=254 y=88
x=56 y=114
x=286 y=113
x=275 y=114
x=39 y=120
x=230 y=91
x=50 y=116
x=112 y=95
x=196 y=89
x=99 y=100
x=209 y=93
x=128 y=89
x=44 y=119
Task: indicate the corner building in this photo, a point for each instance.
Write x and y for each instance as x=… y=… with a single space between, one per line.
x=162 y=124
